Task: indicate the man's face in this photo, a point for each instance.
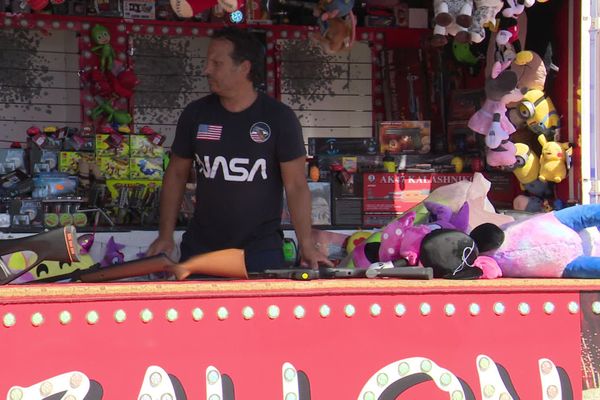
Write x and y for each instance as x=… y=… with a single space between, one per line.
x=223 y=74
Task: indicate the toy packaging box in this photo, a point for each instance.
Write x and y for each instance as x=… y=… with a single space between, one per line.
x=114 y=167
x=331 y=146
x=42 y=160
x=146 y=168
x=400 y=137
x=103 y=148
x=140 y=146
x=69 y=161
x=139 y=9
x=11 y=160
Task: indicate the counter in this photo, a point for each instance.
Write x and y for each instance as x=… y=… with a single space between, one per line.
x=323 y=339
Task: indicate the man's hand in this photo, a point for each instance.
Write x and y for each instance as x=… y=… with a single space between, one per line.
x=312 y=257
x=161 y=245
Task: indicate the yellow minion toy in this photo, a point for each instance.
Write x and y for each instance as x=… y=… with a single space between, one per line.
x=527 y=168
x=539 y=113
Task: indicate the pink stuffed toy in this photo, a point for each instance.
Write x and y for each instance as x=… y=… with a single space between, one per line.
x=491 y=120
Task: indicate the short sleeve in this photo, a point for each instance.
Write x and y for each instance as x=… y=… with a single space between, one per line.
x=184 y=134
x=290 y=142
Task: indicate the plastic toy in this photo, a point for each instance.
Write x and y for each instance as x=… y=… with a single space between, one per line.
x=101 y=37
x=491 y=120
x=563 y=243
x=555 y=160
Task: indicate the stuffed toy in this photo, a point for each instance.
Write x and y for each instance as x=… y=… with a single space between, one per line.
x=491 y=120
x=527 y=167
x=563 y=243
x=484 y=17
x=456 y=255
x=507 y=38
x=452 y=17
x=536 y=111
x=189 y=8
x=530 y=69
x=555 y=160
x=337 y=25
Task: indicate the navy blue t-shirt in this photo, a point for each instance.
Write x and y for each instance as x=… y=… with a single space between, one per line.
x=239 y=186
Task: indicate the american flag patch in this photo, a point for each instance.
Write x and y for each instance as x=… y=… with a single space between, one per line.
x=209 y=132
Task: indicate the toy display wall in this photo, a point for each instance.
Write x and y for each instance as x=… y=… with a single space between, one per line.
x=334 y=96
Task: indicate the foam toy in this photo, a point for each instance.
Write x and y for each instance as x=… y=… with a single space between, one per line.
x=555 y=160
x=563 y=243
x=484 y=17
x=337 y=25
x=189 y=8
x=491 y=120
x=452 y=17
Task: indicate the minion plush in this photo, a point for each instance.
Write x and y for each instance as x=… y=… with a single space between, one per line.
x=527 y=168
x=539 y=113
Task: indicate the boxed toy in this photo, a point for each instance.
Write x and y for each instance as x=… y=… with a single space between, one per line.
x=114 y=167
x=139 y=9
x=12 y=159
x=69 y=161
x=112 y=144
x=42 y=160
x=140 y=146
x=331 y=146
x=399 y=137
x=145 y=168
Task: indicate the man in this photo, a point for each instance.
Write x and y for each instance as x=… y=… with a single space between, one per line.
x=247 y=147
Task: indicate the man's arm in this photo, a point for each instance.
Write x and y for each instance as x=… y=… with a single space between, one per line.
x=171 y=196
x=299 y=203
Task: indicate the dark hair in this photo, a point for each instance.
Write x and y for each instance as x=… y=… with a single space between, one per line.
x=246 y=46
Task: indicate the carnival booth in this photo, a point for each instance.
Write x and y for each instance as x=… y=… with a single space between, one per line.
x=452 y=166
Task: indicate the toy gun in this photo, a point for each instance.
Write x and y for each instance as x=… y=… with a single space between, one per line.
x=55 y=245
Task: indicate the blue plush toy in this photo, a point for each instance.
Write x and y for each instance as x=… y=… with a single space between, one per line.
x=552 y=245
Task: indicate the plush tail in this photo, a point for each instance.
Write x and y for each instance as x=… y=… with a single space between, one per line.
x=583 y=267
x=580 y=217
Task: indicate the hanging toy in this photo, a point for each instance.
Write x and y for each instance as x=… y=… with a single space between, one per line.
x=101 y=37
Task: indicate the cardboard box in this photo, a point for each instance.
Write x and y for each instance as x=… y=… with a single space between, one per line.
x=321 y=204
x=11 y=160
x=396 y=193
x=104 y=149
x=114 y=167
x=319 y=146
x=146 y=168
x=68 y=161
x=461 y=139
x=140 y=146
x=139 y=9
x=400 y=137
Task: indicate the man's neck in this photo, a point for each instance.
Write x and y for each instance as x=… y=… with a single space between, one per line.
x=239 y=101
